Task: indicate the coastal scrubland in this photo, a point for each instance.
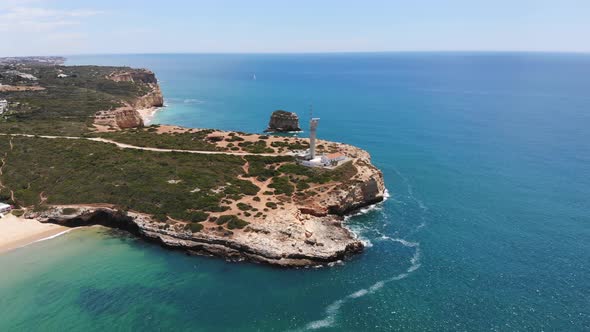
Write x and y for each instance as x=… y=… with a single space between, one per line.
x=65 y=106
x=61 y=171
x=75 y=146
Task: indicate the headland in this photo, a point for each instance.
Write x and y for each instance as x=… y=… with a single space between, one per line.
x=86 y=157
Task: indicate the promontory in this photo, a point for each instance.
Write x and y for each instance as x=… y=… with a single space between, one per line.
x=75 y=151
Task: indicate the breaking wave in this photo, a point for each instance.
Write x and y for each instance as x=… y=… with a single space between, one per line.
x=54 y=236
x=193 y=101
x=331 y=312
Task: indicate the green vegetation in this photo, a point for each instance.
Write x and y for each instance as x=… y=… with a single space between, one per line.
x=255 y=147
x=291 y=146
x=67 y=105
x=178 y=141
x=18 y=212
x=319 y=175
x=78 y=172
x=234 y=138
x=232 y=221
x=168 y=185
x=264 y=168
x=287 y=175
x=69 y=211
x=244 y=206
x=194 y=227
x=282 y=185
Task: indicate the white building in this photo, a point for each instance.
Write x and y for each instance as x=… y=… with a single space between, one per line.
x=333 y=158
x=3 y=105
x=5 y=208
x=315 y=162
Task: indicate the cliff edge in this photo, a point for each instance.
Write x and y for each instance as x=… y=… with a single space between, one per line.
x=127 y=116
x=283 y=121
x=301 y=232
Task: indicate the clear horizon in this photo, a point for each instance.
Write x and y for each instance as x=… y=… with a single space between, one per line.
x=68 y=27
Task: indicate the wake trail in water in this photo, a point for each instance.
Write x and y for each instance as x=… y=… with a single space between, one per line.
x=332 y=310
x=423 y=207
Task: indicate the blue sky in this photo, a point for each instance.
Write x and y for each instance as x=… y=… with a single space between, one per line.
x=46 y=27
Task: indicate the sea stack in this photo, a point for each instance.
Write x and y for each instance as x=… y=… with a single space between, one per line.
x=283 y=121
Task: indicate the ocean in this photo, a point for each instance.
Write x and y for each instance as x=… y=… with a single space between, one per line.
x=486 y=157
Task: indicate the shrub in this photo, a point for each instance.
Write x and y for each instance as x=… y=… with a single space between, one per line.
x=69 y=211
x=244 y=206
x=302 y=185
x=271 y=205
x=194 y=227
x=282 y=185
x=232 y=221
x=197 y=216
x=18 y=212
x=237 y=223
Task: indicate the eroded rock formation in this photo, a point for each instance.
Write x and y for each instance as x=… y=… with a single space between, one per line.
x=134 y=75
x=304 y=233
x=128 y=116
x=283 y=121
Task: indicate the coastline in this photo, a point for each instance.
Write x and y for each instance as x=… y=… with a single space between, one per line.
x=16 y=232
x=148 y=114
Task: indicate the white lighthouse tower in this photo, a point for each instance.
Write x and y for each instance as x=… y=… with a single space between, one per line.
x=313 y=126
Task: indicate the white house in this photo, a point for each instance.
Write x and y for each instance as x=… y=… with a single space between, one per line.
x=315 y=162
x=333 y=158
x=5 y=208
x=3 y=105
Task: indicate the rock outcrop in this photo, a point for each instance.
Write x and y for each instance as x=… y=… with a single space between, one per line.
x=154 y=98
x=283 y=121
x=302 y=233
x=284 y=243
x=134 y=75
x=127 y=116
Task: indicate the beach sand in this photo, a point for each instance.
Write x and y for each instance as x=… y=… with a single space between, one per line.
x=148 y=114
x=16 y=232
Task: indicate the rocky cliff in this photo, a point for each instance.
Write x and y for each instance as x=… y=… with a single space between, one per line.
x=127 y=116
x=315 y=241
x=304 y=233
x=134 y=75
x=283 y=121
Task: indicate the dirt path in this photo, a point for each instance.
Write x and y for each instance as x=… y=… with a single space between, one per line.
x=128 y=146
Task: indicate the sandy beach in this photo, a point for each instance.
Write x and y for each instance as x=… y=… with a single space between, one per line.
x=16 y=232
x=148 y=114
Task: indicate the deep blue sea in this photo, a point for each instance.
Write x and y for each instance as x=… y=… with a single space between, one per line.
x=486 y=157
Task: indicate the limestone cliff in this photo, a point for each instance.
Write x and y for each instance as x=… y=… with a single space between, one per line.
x=283 y=121
x=134 y=75
x=366 y=187
x=127 y=116
x=304 y=233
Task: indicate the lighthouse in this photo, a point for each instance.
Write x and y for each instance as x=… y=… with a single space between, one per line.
x=313 y=126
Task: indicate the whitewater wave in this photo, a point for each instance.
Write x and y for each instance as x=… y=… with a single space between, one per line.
x=54 y=236
x=332 y=310
x=193 y=101
x=47 y=238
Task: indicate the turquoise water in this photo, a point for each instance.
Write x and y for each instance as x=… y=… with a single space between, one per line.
x=486 y=158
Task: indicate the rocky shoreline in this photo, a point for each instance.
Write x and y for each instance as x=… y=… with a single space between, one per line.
x=205 y=244
x=303 y=234
x=132 y=114
x=293 y=218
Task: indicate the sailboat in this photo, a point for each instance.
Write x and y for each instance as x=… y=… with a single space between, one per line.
x=254 y=77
